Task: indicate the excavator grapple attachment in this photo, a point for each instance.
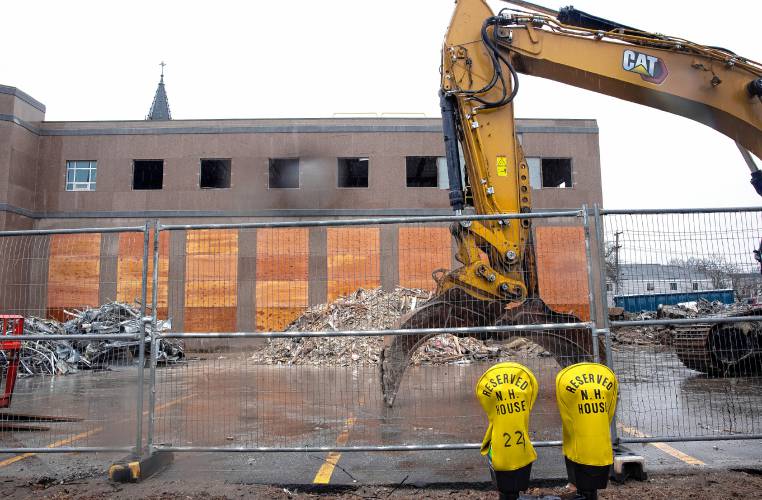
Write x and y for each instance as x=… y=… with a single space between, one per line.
x=455 y=308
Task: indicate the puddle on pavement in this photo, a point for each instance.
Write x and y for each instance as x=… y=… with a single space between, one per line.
x=224 y=402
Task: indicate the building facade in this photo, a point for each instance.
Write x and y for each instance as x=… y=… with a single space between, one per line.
x=55 y=174
x=120 y=173
x=637 y=279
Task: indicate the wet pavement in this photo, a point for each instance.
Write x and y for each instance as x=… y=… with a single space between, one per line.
x=231 y=402
x=661 y=397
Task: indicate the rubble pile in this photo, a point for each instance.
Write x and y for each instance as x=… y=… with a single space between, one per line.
x=641 y=335
x=61 y=357
x=451 y=349
x=361 y=310
x=373 y=309
x=653 y=335
x=701 y=308
x=376 y=309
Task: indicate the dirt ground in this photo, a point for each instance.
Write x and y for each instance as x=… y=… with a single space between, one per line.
x=694 y=485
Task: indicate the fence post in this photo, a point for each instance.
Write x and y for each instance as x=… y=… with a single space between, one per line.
x=604 y=300
x=142 y=345
x=154 y=339
x=591 y=286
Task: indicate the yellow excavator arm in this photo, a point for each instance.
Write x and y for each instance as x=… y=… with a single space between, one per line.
x=482 y=56
x=481 y=59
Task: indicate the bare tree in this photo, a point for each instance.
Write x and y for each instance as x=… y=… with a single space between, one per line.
x=612 y=268
x=747 y=285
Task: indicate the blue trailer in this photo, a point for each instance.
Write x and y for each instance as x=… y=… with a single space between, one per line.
x=650 y=301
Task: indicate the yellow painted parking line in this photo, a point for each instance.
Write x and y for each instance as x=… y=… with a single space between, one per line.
x=83 y=435
x=170 y=403
x=57 y=444
x=669 y=450
x=325 y=472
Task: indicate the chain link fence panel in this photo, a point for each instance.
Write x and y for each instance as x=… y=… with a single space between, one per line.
x=79 y=293
x=685 y=287
x=287 y=326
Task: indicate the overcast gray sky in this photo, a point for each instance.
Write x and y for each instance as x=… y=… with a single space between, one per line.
x=97 y=60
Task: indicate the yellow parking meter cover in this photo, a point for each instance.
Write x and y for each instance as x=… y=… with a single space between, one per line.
x=586 y=395
x=507 y=392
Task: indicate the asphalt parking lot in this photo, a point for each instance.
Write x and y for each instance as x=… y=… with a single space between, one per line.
x=229 y=402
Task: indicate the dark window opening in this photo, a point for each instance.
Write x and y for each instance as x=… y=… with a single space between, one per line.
x=215 y=174
x=421 y=171
x=284 y=173
x=649 y=286
x=556 y=173
x=147 y=174
x=673 y=286
x=353 y=173
x=695 y=286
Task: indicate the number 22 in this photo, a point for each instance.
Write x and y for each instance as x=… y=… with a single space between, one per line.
x=519 y=439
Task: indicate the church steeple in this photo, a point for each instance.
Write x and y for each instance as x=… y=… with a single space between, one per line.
x=160 y=107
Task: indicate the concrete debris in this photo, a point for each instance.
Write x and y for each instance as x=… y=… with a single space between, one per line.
x=696 y=309
x=61 y=357
x=373 y=309
x=690 y=306
x=451 y=349
x=641 y=335
x=363 y=309
x=616 y=313
x=674 y=312
x=376 y=309
x=703 y=308
x=655 y=335
x=443 y=349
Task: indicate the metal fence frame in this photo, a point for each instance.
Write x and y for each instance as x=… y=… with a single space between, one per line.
x=139 y=382
x=599 y=323
x=599 y=215
x=590 y=325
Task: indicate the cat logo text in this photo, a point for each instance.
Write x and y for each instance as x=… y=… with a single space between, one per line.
x=650 y=68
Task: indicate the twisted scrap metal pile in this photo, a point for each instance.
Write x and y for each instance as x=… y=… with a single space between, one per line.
x=61 y=357
x=376 y=309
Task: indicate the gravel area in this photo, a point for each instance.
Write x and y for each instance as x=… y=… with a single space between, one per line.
x=692 y=485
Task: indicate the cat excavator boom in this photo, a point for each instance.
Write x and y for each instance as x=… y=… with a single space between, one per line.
x=482 y=57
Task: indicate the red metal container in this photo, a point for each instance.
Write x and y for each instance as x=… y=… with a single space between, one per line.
x=11 y=351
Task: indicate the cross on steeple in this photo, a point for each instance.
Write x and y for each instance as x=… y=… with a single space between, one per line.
x=160 y=106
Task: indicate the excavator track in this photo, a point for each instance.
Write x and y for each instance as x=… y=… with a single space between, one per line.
x=456 y=308
x=691 y=343
x=722 y=348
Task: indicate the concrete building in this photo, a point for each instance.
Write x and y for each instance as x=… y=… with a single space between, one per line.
x=227 y=169
x=120 y=173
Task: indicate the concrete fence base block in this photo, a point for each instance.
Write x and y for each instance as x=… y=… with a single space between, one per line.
x=134 y=470
x=628 y=465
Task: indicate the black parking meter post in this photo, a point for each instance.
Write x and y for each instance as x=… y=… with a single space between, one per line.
x=587 y=478
x=510 y=484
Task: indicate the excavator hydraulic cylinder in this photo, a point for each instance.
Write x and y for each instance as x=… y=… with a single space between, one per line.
x=449 y=119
